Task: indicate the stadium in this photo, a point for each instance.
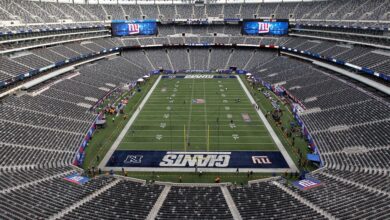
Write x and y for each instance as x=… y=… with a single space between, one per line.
x=195 y=109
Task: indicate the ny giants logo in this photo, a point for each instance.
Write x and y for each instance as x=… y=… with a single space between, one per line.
x=261 y=160
x=133 y=28
x=263 y=27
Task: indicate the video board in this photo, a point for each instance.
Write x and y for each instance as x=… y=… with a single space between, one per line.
x=265 y=27
x=133 y=27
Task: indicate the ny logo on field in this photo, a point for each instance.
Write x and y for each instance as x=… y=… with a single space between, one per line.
x=261 y=160
x=133 y=159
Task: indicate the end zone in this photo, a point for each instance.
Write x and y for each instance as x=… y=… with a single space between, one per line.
x=225 y=161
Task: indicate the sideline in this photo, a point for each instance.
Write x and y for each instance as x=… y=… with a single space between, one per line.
x=276 y=139
x=103 y=163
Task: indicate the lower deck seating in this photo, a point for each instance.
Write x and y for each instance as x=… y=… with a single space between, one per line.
x=194 y=203
x=125 y=200
x=266 y=201
x=346 y=201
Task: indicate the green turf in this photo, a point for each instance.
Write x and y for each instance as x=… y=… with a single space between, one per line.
x=171 y=121
x=104 y=138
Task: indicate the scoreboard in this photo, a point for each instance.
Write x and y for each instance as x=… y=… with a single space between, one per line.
x=133 y=27
x=265 y=27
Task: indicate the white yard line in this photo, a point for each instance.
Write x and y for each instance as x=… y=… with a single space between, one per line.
x=128 y=125
x=152 y=136
x=199 y=142
x=221 y=125
x=205 y=113
x=224 y=120
x=190 y=112
x=276 y=139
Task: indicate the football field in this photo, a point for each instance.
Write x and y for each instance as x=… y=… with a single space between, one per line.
x=205 y=121
x=198 y=115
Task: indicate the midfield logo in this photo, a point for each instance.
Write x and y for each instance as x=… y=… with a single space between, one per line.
x=199 y=159
x=261 y=160
x=263 y=27
x=133 y=28
x=133 y=159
